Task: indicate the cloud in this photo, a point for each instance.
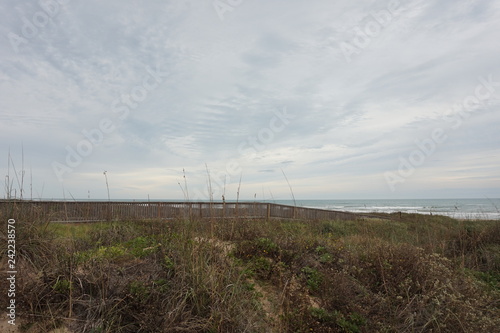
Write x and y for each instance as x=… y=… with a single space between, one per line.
x=221 y=82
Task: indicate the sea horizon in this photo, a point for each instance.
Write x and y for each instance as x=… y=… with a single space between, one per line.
x=460 y=208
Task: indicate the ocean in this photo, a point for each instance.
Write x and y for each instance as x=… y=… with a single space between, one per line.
x=484 y=209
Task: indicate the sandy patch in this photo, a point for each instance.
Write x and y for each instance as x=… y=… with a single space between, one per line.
x=5 y=327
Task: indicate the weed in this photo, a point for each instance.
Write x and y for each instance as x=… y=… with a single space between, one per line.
x=313 y=278
x=261 y=266
x=267 y=246
x=142 y=246
x=168 y=264
x=62 y=286
x=325 y=258
x=139 y=290
x=352 y=323
x=492 y=279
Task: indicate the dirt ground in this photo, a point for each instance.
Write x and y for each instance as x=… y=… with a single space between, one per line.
x=5 y=327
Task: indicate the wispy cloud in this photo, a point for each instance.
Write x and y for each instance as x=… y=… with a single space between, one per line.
x=67 y=68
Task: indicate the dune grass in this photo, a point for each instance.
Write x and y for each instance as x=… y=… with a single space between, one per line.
x=411 y=274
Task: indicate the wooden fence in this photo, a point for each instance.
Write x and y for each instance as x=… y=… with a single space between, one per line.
x=91 y=211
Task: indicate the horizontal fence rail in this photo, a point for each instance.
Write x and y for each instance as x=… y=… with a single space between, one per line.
x=93 y=211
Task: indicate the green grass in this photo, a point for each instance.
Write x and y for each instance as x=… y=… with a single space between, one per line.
x=410 y=274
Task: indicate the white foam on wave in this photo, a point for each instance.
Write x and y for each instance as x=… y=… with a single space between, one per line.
x=456 y=208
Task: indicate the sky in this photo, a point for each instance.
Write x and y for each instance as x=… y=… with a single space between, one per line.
x=253 y=100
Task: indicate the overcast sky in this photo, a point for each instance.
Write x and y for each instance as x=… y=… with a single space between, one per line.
x=347 y=99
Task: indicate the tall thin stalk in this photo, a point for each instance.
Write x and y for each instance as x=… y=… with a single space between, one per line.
x=209 y=184
x=9 y=182
x=238 y=191
x=224 y=199
x=185 y=184
x=238 y=195
x=109 y=212
x=272 y=196
x=237 y=217
x=291 y=190
x=8 y=186
x=107 y=184
x=183 y=192
x=17 y=178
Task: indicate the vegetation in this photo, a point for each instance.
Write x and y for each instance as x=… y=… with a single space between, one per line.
x=412 y=273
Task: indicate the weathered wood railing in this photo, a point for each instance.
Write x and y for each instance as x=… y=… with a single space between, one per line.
x=88 y=211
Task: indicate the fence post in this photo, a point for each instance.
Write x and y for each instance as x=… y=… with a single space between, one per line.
x=268 y=211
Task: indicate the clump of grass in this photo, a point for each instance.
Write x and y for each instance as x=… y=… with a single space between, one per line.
x=353 y=322
x=386 y=275
x=414 y=274
x=313 y=278
x=112 y=280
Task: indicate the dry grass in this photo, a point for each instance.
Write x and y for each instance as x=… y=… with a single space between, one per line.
x=415 y=274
